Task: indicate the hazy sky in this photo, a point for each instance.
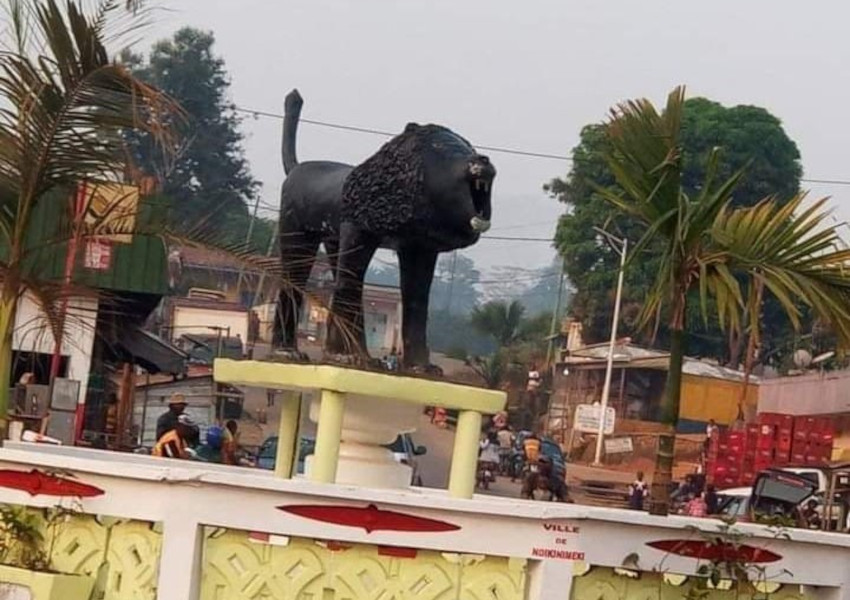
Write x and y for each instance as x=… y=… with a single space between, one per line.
x=523 y=75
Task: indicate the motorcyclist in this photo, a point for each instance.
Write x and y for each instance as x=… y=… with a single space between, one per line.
x=546 y=480
x=488 y=460
x=531 y=449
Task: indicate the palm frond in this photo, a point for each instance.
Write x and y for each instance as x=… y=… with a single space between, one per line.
x=795 y=255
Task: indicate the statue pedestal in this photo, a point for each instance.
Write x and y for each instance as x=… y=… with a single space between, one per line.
x=368 y=424
x=358 y=411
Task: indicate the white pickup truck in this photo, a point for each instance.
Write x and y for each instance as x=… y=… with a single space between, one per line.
x=735 y=501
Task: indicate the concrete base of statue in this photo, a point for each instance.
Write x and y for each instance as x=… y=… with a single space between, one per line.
x=370 y=423
x=356 y=412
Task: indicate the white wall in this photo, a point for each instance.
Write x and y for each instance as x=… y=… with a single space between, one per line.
x=192 y=320
x=184 y=496
x=32 y=334
x=812 y=394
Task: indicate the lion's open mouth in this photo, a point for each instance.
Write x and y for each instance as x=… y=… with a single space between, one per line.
x=479 y=189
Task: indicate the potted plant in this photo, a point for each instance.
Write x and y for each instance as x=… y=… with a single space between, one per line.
x=25 y=562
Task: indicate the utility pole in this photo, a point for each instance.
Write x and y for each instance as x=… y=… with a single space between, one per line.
x=552 y=328
x=621 y=247
x=248 y=237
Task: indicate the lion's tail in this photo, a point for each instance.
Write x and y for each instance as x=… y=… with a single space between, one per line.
x=291 y=113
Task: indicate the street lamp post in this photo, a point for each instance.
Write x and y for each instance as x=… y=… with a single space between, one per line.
x=620 y=246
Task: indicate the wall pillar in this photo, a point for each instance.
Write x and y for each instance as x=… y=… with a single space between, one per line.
x=287 y=435
x=180 y=559
x=465 y=455
x=550 y=580
x=328 y=434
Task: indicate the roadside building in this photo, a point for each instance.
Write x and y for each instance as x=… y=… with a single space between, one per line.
x=708 y=391
x=816 y=394
x=103 y=340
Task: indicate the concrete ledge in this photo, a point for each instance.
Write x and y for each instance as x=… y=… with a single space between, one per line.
x=304 y=377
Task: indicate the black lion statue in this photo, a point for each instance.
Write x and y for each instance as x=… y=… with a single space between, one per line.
x=424 y=192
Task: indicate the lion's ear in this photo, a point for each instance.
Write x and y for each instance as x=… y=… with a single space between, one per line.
x=411 y=128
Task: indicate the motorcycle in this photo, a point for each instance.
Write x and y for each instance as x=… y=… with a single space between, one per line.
x=485 y=475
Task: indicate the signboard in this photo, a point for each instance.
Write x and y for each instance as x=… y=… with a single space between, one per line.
x=98 y=255
x=110 y=210
x=622 y=445
x=587 y=419
x=66 y=394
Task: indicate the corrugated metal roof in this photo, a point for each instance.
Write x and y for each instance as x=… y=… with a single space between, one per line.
x=630 y=356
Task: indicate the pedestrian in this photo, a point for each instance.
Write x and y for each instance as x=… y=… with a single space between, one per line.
x=175 y=443
x=712 y=500
x=488 y=461
x=229 y=444
x=110 y=426
x=697 y=507
x=711 y=431
x=270 y=397
x=392 y=361
x=637 y=492
x=168 y=420
x=506 y=443
x=488 y=451
x=534 y=379
x=811 y=516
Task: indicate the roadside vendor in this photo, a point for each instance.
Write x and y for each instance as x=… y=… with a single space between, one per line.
x=175 y=443
x=168 y=420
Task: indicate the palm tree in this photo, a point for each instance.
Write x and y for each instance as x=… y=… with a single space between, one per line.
x=66 y=108
x=500 y=320
x=787 y=251
x=705 y=244
x=491 y=369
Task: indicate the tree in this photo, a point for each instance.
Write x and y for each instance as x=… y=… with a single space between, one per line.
x=492 y=369
x=209 y=182
x=706 y=245
x=749 y=136
x=500 y=320
x=66 y=108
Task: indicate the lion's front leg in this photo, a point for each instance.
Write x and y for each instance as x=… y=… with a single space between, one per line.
x=417 y=271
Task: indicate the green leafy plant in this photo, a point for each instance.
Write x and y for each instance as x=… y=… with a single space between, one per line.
x=746 y=578
x=21 y=539
x=28 y=535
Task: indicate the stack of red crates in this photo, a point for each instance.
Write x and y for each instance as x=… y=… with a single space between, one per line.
x=736 y=457
x=812 y=440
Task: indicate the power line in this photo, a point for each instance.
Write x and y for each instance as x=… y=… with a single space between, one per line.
x=517 y=239
x=500 y=149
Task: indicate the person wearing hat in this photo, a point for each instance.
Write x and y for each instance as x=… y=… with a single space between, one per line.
x=168 y=420
x=173 y=444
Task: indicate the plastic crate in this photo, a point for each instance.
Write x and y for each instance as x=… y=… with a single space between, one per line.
x=782 y=457
x=727 y=482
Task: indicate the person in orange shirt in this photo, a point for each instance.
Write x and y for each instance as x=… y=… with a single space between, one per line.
x=173 y=443
x=531 y=448
x=230 y=444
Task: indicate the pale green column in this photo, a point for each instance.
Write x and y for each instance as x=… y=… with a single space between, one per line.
x=328 y=434
x=287 y=435
x=465 y=455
